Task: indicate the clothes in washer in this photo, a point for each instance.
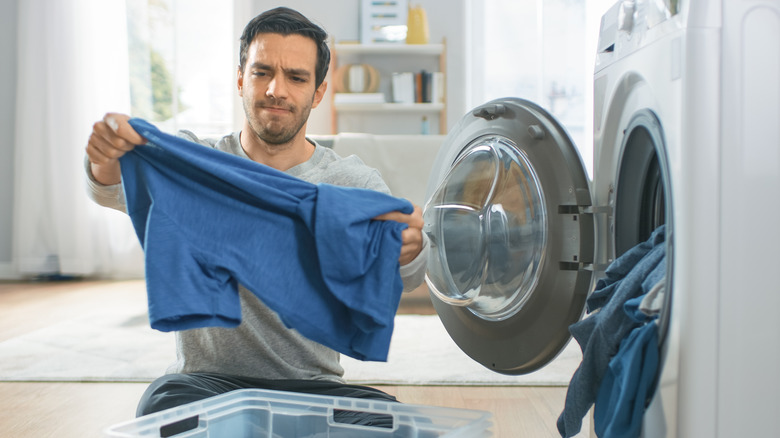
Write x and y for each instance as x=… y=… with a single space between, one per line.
x=653 y=301
x=208 y=220
x=600 y=334
x=631 y=377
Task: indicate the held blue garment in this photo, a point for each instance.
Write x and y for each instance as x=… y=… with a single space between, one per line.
x=208 y=220
x=600 y=334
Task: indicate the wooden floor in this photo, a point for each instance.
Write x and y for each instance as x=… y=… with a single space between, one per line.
x=71 y=409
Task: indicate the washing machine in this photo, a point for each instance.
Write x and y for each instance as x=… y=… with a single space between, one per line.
x=686 y=135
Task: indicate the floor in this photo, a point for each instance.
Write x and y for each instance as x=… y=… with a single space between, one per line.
x=73 y=409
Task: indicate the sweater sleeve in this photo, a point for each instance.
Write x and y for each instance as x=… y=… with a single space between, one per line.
x=110 y=196
x=413 y=273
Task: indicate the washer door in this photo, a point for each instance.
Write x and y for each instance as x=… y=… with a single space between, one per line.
x=511 y=234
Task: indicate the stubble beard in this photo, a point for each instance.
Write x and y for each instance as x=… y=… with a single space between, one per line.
x=266 y=132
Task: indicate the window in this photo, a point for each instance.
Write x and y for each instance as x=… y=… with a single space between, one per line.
x=543 y=51
x=182 y=64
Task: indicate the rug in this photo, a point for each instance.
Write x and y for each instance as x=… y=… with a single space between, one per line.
x=119 y=346
x=422 y=353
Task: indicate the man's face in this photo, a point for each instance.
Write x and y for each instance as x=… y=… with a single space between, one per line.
x=277 y=85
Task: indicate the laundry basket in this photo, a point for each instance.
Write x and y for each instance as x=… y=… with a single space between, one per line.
x=262 y=413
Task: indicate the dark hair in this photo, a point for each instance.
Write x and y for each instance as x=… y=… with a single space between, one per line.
x=286 y=21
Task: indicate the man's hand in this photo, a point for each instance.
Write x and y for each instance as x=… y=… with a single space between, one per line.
x=111 y=138
x=411 y=236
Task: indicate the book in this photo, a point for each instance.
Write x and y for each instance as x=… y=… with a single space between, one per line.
x=403 y=87
x=426 y=84
x=418 y=87
x=437 y=87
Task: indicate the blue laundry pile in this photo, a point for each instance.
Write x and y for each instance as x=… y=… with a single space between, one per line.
x=619 y=345
x=209 y=220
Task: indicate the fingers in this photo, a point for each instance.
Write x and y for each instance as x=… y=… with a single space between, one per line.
x=412 y=245
x=414 y=220
x=411 y=236
x=103 y=147
x=111 y=138
x=119 y=125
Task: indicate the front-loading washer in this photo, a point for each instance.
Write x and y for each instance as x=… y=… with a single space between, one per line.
x=686 y=135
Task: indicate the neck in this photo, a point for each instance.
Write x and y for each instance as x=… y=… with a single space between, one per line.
x=278 y=156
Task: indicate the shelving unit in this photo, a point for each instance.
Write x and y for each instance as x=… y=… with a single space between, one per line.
x=390 y=107
x=389 y=58
x=390 y=49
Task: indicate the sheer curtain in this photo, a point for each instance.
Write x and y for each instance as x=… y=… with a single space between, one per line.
x=72 y=68
x=540 y=50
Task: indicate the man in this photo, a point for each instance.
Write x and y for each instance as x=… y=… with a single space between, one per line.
x=283 y=62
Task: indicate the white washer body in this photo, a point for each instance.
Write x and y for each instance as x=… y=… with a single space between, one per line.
x=686 y=135
x=711 y=74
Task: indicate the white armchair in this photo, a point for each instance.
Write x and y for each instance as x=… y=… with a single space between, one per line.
x=405 y=161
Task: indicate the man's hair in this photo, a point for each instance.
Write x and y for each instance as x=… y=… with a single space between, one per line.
x=286 y=21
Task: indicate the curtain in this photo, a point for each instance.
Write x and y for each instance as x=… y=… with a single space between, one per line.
x=72 y=68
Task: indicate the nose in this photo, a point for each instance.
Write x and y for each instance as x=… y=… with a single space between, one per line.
x=276 y=88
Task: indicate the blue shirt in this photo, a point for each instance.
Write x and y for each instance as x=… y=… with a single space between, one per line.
x=600 y=335
x=208 y=220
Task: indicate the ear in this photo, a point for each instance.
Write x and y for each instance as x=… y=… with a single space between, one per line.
x=319 y=94
x=240 y=82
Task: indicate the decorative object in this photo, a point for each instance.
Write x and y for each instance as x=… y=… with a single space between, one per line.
x=383 y=21
x=356 y=78
x=417 y=26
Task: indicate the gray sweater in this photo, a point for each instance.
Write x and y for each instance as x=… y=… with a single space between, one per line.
x=262 y=346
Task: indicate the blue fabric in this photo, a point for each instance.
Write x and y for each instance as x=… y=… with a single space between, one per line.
x=628 y=385
x=208 y=220
x=600 y=334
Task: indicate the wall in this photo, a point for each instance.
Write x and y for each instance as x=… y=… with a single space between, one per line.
x=341 y=19
x=7 y=120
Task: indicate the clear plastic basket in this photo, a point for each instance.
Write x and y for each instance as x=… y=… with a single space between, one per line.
x=262 y=413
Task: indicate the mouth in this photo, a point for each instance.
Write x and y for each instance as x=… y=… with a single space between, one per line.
x=276 y=109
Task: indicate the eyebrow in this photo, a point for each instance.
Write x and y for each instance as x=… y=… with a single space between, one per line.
x=290 y=71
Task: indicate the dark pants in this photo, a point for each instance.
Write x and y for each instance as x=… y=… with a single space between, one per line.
x=174 y=390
